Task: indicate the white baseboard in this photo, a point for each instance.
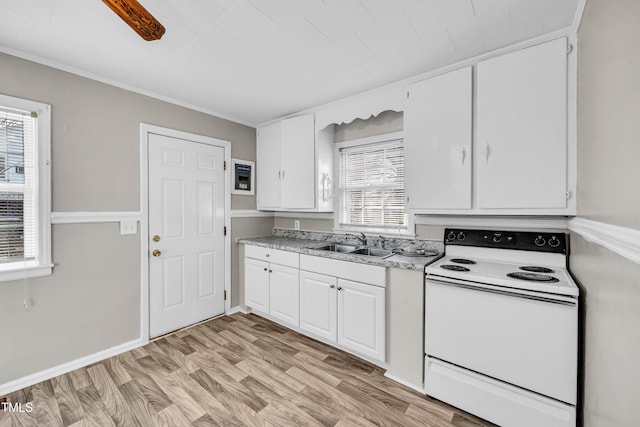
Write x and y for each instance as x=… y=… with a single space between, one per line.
x=46 y=374
x=419 y=389
x=237 y=309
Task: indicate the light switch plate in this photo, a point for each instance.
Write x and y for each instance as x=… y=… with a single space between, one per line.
x=128 y=227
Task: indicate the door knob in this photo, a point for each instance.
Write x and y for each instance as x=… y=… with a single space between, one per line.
x=156 y=252
x=156 y=238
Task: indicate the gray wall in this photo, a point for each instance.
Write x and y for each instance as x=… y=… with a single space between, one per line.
x=608 y=176
x=91 y=302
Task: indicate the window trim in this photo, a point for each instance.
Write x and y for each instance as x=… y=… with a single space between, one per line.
x=338 y=227
x=42 y=265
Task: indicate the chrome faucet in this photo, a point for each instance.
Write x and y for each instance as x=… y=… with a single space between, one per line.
x=362 y=238
x=383 y=241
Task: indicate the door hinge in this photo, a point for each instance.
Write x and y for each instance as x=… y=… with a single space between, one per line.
x=569 y=48
x=225 y=295
x=225 y=165
x=568 y=195
x=225 y=230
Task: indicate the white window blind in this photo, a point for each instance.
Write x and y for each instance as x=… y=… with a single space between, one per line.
x=18 y=190
x=372 y=185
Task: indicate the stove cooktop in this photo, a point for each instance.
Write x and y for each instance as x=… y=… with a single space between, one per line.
x=552 y=279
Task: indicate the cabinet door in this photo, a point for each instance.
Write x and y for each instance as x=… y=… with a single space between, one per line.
x=256 y=285
x=298 y=162
x=284 y=295
x=361 y=318
x=268 y=170
x=318 y=304
x=522 y=128
x=437 y=143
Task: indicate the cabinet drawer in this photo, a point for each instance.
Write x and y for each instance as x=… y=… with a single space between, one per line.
x=275 y=256
x=364 y=273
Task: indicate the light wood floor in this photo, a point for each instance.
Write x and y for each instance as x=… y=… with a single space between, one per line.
x=239 y=370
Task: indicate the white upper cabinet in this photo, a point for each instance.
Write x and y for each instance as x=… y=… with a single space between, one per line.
x=298 y=156
x=521 y=151
x=268 y=170
x=497 y=144
x=294 y=166
x=438 y=137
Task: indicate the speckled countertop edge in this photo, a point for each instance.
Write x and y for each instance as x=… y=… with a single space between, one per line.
x=305 y=246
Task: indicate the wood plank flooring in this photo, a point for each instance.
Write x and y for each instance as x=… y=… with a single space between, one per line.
x=239 y=370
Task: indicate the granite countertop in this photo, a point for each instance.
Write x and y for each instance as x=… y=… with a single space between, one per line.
x=306 y=246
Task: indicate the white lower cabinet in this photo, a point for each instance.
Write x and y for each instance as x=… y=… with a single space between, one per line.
x=271 y=287
x=284 y=296
x=349 y=313
x=361 y=318
x=347 y=309
x=318 y=307
x=256 y=289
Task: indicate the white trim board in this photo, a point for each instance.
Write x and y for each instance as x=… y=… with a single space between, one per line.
x=249 y=213
x=308 y=215
x=525 y=222
x=93 y=217
x=81 y=362
x=621 y=240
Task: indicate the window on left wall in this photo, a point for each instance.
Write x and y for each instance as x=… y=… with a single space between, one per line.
x=25 y=189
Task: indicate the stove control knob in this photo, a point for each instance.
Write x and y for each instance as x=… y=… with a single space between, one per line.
x=539 y=241
x=461 y=236
x=451 y=236
x=554 y=242
x=497 y=238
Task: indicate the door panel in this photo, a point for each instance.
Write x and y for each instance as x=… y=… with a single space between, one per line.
x=256 y=285
x=438 y=135
x=361 y=318
x=284 y=295
x=318 y=305
x=268 y=167
x=298 y=153
x=522 y=128
x=186 y=211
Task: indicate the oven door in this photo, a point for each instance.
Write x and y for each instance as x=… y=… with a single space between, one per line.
x=523 y=338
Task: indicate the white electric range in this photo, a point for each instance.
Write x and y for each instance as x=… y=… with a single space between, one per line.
x=501 y=327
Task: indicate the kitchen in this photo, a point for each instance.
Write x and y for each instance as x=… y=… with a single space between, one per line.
x=101 y=139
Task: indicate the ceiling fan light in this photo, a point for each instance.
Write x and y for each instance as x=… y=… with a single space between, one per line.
x=138 y=18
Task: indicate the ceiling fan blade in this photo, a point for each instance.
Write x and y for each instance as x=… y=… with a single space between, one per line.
x=138 y=18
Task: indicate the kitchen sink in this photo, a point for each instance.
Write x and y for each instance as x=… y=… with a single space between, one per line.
x=334 y=247
x=381 y=253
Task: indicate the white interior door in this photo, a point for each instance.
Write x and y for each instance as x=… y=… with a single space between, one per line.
x=186 y=217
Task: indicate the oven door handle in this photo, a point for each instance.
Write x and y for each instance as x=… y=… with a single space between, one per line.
x=493 y=290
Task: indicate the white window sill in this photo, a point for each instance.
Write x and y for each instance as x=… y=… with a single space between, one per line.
x=24 y=270
x=386 y=232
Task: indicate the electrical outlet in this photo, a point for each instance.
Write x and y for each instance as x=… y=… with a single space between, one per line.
x=296 y=224
x=128 y=227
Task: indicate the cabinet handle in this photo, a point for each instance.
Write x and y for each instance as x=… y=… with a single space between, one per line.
x=332 y=286
x=265 y=269
x=270 y=271
x=282 y=173
x=267 y=255
x=463 y=155
x=339 y=288
x=487 y=152
x=279 y=174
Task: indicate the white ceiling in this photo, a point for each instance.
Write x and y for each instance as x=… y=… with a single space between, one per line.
x=256 y=60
